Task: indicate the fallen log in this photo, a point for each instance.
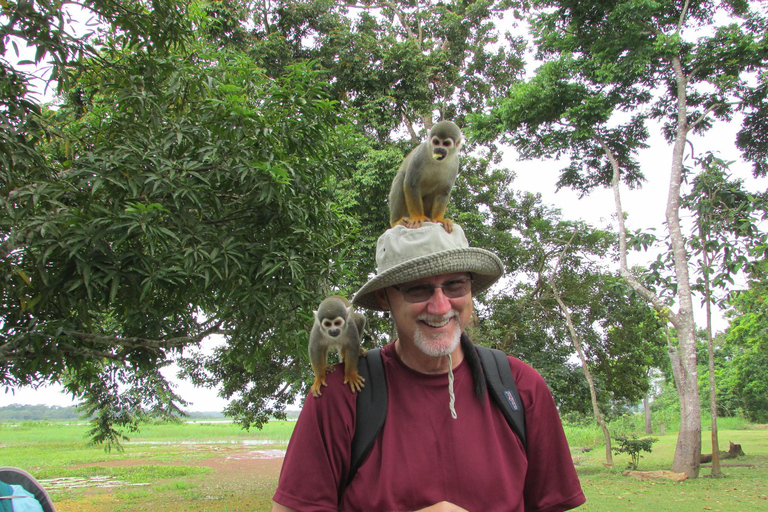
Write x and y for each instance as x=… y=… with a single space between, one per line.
x=733 y=452
x=655 y=475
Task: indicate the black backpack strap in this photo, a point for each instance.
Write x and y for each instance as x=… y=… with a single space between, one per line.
x=371 y=409
x=502 y=387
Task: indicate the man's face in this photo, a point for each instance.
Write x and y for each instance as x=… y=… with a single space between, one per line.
x=435 y=324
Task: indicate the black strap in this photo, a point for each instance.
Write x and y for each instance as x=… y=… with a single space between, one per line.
x=372 y=401
x=502 y=387
x=371 y=408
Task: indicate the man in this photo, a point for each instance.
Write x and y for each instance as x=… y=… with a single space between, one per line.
x=442 y=447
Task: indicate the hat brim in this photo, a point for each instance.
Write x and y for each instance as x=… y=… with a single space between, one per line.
x=486 y=268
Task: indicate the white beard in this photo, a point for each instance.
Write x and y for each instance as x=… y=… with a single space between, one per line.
x=438 y=344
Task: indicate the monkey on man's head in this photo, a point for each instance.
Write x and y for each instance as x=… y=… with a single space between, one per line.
x=422 y=187
x=338 y=326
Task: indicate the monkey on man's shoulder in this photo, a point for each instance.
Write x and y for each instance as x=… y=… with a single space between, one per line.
x=336 y=325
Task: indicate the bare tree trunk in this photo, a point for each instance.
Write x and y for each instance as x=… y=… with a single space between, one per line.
x=716 y=471
x=647 y=412
x=688 y=450
x=579 y=349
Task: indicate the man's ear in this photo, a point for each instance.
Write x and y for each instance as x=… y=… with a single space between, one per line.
x=382 y=299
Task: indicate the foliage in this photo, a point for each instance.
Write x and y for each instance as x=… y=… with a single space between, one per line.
x=217 y=168
x=16 y=412
x=727 y=224
x=607 y=72
x=185 y=193
x=621 y=335
x=632 y=446
x=399 y=67
x=744 y=379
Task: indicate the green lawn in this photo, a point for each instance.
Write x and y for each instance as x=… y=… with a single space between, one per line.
x=167 y=467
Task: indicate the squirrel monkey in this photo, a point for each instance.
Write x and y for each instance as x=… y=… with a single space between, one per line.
x=422 y=187
x=336 y=325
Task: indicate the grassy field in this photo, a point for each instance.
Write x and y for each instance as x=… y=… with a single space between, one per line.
x=217 y=467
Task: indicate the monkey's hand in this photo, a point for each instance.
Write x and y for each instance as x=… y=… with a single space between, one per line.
x=315 y=389
x=363 y=352
x=355 y=381
x=446 y=223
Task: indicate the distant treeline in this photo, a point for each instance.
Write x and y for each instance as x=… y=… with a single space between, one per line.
x=16 y=412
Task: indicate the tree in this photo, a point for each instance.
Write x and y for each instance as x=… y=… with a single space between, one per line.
x=399 y=66
x=196 y=178
x=577 y=345
x=617 y=331
x=185 y=193
x=610 y=68
x=726 y=231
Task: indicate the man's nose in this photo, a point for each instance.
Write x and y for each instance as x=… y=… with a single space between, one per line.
x=438 y=303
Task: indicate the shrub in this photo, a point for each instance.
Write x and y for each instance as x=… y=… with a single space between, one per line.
x=633 y=446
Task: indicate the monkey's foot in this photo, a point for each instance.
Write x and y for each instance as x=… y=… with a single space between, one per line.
x=414 y=222
x=315 y=389
x=330 y=369
x=446 y=223
x=401 y=222
x=355 y=382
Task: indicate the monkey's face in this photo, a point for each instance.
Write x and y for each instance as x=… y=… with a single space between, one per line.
x=441 y=147
x=333 y=326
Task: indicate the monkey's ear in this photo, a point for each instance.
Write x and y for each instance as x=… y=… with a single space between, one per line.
x=459 y=142
x=350 y=310
x=315 y=314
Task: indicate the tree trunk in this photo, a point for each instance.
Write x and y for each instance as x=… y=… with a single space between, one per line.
x=688 y=451
x=577 y=345
x=716 y=471
x=647 y=412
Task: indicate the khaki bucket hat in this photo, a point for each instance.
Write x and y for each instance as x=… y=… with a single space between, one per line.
x=404 y=255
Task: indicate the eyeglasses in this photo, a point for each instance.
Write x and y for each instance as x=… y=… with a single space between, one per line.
x=421 y=292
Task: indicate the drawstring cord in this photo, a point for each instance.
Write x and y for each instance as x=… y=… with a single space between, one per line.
x=452 y=400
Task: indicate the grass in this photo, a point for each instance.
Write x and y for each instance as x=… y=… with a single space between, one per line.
x=165 y=467
x=744 y=488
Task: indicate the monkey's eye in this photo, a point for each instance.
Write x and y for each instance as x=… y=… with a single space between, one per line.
x=338 y=323
x=447 y=143
x=435 y=141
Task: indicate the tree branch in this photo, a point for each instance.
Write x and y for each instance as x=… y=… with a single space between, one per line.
x=623 y=265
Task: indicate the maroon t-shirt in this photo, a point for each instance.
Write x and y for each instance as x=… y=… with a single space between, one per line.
x=423 y=456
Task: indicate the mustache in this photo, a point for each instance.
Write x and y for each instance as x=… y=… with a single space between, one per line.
x=428 y=317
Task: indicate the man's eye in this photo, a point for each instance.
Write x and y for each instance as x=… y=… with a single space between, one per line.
x=456 y=283
x=418 y=289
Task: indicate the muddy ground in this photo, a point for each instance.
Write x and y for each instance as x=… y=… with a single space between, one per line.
x=241 y=480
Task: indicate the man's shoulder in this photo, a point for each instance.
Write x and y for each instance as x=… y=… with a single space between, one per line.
x=335 y=393
x=526 y=376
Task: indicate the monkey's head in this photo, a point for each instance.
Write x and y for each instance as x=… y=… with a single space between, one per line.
x=445 y=138
x=332 y=315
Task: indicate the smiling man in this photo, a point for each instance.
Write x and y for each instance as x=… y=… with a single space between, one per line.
x=444 y=445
